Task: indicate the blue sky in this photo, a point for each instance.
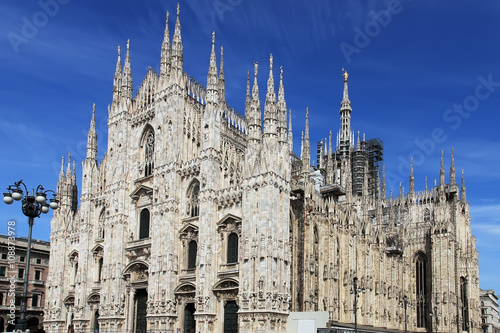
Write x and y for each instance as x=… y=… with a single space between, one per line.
x=424 y=76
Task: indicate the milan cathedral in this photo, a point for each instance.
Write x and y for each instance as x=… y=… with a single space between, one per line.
x=200 y=219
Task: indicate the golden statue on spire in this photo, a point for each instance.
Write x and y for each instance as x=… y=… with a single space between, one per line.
x=345 y=74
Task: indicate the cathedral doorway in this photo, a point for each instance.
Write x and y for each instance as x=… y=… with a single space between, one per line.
x=141 y=299
x=231 y=317
x=189 y=321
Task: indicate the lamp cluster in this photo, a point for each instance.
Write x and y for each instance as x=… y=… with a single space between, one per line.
x=355 y=289
x=34 y=203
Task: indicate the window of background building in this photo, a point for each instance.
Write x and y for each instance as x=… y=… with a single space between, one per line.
x=22 y=258
x=38 y=275
x=4 y=256
x=34 y=300
x=20 y=273
x=38 y=261
x=2 y=270
x=2 y=298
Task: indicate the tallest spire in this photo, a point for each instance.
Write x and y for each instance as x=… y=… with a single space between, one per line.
x=346 y=103
x=177 y=59
x=345 y=118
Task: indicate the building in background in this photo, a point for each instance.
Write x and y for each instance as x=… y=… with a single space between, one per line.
x=201 y=219
x=12 y=268
x=490 y=322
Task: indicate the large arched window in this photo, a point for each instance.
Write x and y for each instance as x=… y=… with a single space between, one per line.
x=144 y=224
x=232 y=248
x=421 y=289
x=464 y=303
x=192 y=251
x=193 y=207
x=149 y=147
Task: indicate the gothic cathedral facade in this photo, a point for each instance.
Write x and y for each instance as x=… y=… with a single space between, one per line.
x=201 y=219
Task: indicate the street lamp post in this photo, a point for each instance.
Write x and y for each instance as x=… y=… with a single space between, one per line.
x=355 y=291
x=405 y=305
x=32 y=206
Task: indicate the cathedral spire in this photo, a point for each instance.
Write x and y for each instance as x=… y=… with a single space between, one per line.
x=329 y=162
x=68 y=168
x=253 y=117
x=127 y=76
x=212 y=84
x=441 y=171
x=92 y=138
x=463 y=195
x=248 y=97
x=118 y=77
x=165 y=50
x=118 y=69
x=222 y=81
x=452 y=168
x=412 y=179
x=282 y=128
x=177 y=57
x=302 y=145
x=306 y=152
x=290 y=133
x=384 y=185
x=345 y=119
x=270 y=121
x=61 y=173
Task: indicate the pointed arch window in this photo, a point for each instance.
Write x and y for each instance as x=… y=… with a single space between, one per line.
x=232 y=248
x=144 y=224
x=148 y=154
x=192 y=251
x=421 y=289
x=464 y=303
x=193 y=199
